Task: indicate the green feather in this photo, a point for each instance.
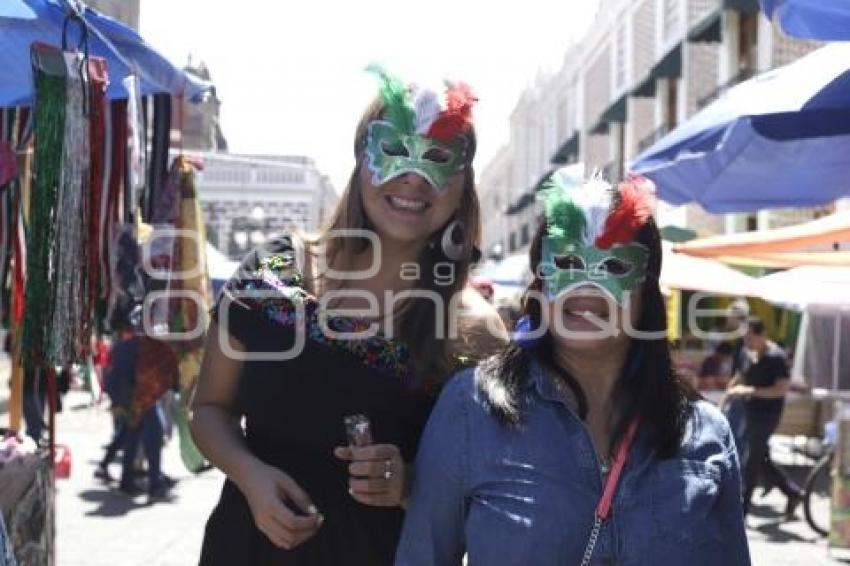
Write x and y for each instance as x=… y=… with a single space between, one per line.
x=565 y=219
x=394 y=94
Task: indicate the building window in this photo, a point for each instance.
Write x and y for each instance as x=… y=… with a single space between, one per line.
x=671 y=110
x=748 y=44
x=512 y=242
x=525 y=235
x=752 y=223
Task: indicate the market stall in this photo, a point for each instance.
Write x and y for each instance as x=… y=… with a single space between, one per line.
x=85 y=121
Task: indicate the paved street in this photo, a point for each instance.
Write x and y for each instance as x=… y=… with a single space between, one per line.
x=777 y=542
x=101 y=527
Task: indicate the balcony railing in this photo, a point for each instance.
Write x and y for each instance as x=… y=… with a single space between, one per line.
x=720 y=90
x=653 y=137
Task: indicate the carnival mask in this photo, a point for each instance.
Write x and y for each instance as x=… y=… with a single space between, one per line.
x=591 y=232
x=419 y=133
x=567 y=264
x=392 y=153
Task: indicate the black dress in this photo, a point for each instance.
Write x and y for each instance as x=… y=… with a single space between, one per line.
x=294 y=411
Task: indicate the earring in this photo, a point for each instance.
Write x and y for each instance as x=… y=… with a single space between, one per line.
x=453 y=251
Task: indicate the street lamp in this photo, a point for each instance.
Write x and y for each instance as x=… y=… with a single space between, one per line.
x=241 y=239
x=258 y=214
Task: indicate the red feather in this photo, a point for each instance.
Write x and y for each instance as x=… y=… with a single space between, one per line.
x=634 y=207
x=457 y=117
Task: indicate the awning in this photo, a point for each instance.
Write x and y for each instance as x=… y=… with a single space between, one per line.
x=614 y=113
x=677 y=234
x=125 y=51
x=707 y=30
x=523 y=202
x=669 y=66
x=569 y=149
x=679 y=271
x=826 y=230
x=786 y=260
x=804 y=286
x=746 y=6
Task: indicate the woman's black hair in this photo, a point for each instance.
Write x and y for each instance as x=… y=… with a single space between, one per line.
x=653 y=390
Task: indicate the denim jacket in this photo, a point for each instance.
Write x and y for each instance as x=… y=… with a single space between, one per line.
x=527 y=494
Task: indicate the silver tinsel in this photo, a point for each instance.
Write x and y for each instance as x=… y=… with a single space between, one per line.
x=71 y=262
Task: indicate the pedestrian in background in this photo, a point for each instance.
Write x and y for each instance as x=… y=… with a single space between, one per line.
x=118 y=381
x=763 y=385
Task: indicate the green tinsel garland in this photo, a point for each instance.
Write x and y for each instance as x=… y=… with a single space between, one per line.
x=49 y=116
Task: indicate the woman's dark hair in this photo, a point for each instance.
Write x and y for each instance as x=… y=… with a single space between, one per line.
x=653 y=390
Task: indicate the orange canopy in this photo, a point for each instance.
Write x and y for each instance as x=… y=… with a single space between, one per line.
x=779 y=260
x=765 y=244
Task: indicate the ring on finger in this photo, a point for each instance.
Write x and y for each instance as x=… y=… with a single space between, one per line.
x=388 y=469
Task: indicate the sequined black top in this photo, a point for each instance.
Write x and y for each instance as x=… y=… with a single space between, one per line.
x=294 y=410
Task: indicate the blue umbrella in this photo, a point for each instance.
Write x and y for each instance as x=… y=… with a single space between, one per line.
x=781 y=139
x=18 y=32
x=827 y=20
x=16 y=10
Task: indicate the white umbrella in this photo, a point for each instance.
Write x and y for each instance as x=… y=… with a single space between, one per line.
x=220 y=267
x=805 y=286
x=823 y=293
x=680 y=271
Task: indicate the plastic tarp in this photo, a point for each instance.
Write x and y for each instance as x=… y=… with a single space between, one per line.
x=822 y=356
x=18 y=32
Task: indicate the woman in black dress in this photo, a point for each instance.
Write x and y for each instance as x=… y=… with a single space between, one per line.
x=316 y=329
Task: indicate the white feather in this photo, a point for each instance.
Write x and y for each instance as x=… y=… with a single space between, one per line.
x=594 y=197
x=426 y=102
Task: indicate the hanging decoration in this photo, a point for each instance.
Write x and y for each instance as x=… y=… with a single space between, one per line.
x=71 y=253
x=100 y=152
x=111 y=210
x=50 y=100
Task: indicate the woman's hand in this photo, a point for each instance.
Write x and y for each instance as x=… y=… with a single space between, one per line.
x=378 y=474
x=281 y=509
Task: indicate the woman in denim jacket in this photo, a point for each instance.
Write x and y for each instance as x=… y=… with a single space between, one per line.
x=578 y=444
